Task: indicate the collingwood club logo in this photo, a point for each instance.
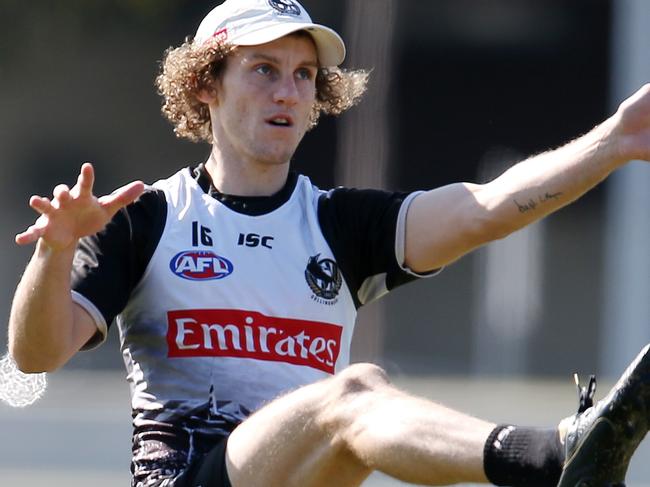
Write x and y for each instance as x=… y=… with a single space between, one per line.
x=288 y=7
x=324 y=279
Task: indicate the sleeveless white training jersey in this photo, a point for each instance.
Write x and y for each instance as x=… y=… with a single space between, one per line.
x=220 y=311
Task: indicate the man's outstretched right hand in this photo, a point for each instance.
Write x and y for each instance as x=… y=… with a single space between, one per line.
x=75 y=213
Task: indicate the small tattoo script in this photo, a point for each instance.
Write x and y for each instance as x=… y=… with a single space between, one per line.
x=531 y=204
x=549 y=196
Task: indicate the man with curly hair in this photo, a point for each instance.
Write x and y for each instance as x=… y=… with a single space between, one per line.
x=235 y=284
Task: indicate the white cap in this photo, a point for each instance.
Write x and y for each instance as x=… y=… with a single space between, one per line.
x=254 y=22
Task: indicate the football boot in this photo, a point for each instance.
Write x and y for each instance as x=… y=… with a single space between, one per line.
x=601 y=439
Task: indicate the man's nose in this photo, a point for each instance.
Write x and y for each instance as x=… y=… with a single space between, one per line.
x=286 y=91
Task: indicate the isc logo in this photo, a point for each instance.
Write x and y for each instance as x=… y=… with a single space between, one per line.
x=200 y=265
x=254 y=240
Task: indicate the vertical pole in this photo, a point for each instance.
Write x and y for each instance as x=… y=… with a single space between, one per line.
x=509 y=282
x=364 y=146
x=626 y=301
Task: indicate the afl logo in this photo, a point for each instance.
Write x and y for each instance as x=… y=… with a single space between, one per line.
x=323 y=277
x=200 y=265
x=285 y=6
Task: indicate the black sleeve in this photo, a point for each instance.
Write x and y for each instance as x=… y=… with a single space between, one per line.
x=108 y=265
x=360 y=227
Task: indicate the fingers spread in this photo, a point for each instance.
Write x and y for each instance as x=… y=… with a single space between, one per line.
x=31 y=235
x=86 y=179
x=62 y=194
x=122 y=196
x=41 y=205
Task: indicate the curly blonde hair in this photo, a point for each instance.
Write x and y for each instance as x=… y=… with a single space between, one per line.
x=188 y=69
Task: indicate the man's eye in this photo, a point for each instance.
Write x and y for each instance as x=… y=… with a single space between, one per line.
x=264 y=69
x=304 y=74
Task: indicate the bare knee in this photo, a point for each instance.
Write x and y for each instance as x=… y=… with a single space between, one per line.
x=360 y=378
x=354 y=397
x=349 y=395
x=346 y=392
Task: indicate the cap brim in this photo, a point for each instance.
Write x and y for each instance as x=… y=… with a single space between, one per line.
x=330 y=46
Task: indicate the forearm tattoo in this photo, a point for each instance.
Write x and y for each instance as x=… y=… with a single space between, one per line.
x=533 y=203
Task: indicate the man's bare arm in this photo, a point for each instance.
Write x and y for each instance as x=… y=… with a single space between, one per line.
x=448 y=222
x=46 y=328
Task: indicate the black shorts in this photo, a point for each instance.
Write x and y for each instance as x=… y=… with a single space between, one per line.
x=169 y=454
x=207 y=471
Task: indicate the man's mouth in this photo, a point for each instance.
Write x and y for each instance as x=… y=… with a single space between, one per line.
x=280 y=121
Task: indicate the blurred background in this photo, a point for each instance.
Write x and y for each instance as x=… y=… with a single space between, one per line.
x=460 y=90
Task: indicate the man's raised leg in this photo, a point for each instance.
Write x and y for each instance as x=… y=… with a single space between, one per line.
x=336 y=432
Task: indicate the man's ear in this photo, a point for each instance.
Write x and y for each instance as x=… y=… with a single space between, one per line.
x=207 y=96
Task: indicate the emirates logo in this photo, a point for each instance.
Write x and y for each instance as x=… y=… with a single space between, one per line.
x=324 y=278
x=252 y=335
x=288 y=7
